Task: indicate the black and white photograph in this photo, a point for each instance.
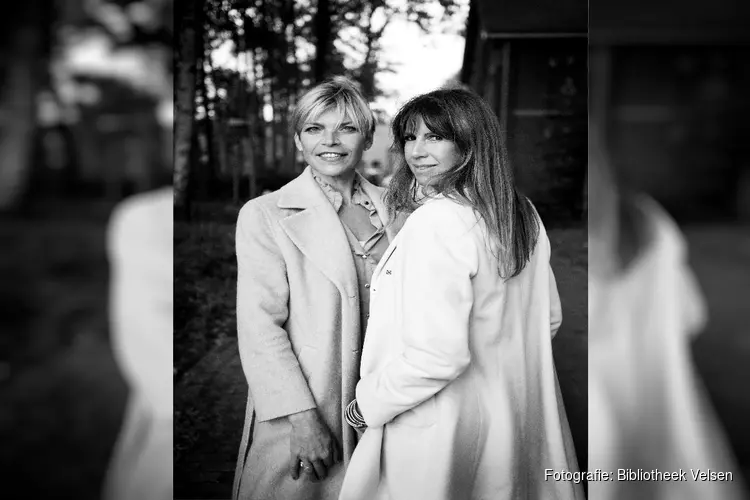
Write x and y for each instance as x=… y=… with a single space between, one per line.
x=374 y=250
x=380 y=250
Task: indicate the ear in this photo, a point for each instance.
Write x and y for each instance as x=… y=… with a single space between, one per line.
x=298 y=142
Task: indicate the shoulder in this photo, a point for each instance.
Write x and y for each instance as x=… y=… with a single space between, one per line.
x=143 y=218
x=444 y=215
x=261 y=208
x=441 y=219
x=653 y=230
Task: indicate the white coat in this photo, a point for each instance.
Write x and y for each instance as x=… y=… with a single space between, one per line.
x=141 y=252
x=647 y=407
x=458 y=386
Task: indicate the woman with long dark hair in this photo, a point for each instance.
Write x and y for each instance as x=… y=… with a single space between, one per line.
x=459 y=394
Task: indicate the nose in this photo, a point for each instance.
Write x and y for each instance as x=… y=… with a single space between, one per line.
x=417 y=149
x=330 y=138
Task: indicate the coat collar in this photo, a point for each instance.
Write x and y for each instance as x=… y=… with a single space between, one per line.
x=317 y=231
x=302 y=192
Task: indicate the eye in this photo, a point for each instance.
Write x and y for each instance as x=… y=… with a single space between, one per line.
x=349 y=129
x=310 y=129
x=409 y=137
x=434 y=137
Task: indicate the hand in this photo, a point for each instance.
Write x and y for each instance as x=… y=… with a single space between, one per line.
x=313 y=446
x=360 y=432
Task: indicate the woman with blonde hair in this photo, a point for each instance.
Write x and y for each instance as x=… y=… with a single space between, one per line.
x=305 y=256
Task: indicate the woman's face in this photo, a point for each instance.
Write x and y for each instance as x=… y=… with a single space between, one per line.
x=429 y=155
x=331 y=143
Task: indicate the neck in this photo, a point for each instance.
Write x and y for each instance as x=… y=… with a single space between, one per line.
x=344 y=183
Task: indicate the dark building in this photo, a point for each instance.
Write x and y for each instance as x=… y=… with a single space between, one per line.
x=528 y=60
x=669 y=93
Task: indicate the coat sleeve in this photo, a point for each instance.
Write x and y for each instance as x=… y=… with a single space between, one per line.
x=439 y=261
x=277 y=384
x=555 y=313
x=141 y=298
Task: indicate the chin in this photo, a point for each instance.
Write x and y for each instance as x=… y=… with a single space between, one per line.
x=423 y=182
x=333 y=170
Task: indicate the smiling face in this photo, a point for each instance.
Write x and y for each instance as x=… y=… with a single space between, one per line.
x=331 y=143
x=428 y=154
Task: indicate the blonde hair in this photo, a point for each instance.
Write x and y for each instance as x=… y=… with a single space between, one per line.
x=339 y=93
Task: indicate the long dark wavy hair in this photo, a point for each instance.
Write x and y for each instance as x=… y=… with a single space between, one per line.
x=483 y=179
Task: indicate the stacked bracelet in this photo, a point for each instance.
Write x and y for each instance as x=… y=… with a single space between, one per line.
x=354 y=417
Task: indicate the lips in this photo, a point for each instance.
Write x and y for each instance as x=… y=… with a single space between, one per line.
x=331 y=156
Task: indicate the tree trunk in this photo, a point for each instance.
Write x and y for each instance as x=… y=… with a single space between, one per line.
x=190 y=22
x=246 y=138
x=259 y=123
x=18 y=115
x=290 y=152
x=239 y=159
x=220 y=130
x=322 y=29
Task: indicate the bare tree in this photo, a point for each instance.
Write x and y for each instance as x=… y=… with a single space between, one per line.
x=190 y=42
x=22 y=59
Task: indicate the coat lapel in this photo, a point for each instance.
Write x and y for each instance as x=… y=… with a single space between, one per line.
x=384 y=259
x=376 y=195
x=317 y=231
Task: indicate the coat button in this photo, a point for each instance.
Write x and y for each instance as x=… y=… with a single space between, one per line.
x=367 y=285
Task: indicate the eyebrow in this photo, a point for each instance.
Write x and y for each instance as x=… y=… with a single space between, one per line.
x=345 y=122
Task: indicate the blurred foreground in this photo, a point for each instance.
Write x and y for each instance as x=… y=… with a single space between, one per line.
x=669 y=233
x=85 y=96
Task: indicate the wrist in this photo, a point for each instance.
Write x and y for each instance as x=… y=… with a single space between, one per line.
x=302 y=416
x=354 y=416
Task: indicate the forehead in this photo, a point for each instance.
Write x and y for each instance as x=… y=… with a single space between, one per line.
x=331 y=114
x=417 y=123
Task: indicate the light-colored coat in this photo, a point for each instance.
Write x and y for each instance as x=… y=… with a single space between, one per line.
x=298 y=328
x=458 y=385
x=647 y=405
x=141 y=253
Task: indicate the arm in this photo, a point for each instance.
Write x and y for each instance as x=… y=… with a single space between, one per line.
x=438 y=264
x=691 y=300
x=141 y=297
x=555 y=314
x=276 y=381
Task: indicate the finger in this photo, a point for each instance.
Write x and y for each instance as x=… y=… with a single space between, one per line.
x=309 y=471
x=321 y=471
x=294 y=465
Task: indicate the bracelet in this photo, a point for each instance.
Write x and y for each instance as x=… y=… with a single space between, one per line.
x=353 y=416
